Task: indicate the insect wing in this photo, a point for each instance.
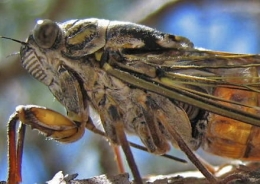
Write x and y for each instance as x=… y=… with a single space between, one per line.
x=204 y=79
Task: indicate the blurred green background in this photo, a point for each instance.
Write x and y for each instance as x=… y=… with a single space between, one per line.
x=219 y=25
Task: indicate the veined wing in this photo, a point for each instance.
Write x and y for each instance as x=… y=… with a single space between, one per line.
x=193 y=76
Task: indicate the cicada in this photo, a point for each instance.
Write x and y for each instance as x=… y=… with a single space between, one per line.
x=141 y=81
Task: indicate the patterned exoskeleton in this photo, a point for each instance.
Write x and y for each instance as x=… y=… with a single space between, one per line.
x=145 y=82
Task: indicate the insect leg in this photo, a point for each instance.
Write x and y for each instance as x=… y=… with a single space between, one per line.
x=129 y=155
x=173 y=124
x=149 y=131
x=90 y=126
x=14 y=171
x=184 y=147
x=111 y=119
x=48 y=122
x=20 y=145
x=118 y=158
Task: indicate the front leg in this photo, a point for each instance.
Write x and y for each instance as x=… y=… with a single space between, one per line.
x=48 y=122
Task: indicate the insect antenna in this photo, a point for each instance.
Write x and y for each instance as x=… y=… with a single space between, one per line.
x=15 y=40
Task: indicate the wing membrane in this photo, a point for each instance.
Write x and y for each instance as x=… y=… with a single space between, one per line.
x=192 y=77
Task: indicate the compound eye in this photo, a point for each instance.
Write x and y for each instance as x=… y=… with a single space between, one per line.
x=45 y=33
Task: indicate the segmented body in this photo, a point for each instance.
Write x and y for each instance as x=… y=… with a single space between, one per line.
x=232 y=138
x=125 y=71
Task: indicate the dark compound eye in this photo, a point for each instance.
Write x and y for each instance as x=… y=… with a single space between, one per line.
x=45 y=33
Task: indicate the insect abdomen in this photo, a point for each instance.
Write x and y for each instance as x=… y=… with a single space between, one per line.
x=231 y=138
